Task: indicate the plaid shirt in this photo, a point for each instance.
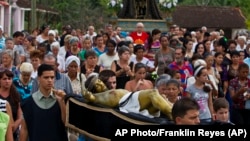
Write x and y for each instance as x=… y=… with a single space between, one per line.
x=239 y=102
x=186 y=70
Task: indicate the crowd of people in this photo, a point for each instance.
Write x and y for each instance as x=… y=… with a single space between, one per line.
x=203 y=75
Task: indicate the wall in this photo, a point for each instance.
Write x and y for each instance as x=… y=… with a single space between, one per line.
x=149 y=25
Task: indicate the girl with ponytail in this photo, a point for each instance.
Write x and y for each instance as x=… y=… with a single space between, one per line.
x=202 y=93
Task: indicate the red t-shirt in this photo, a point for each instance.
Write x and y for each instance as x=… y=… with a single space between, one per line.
x=139 y=38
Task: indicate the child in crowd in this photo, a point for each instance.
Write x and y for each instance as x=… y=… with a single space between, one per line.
x=221 y=110
x=9 y=43
x=175 y=74
x=202 y=94
x=86 y=45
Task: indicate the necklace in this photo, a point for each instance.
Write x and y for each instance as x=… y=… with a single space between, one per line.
x=25 y=86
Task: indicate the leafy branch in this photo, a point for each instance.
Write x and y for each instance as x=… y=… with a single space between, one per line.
x=167 y=5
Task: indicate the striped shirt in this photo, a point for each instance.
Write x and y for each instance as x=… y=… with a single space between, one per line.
x=3 y=105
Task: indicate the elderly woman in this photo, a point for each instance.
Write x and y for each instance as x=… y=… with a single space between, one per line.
x=160 y=84
x=24 y=82
x=74 y=49
x=51 y=39
x=90 y=66
x=64 y=49
x=7 y=62
x=77 y=79
x=55 y=47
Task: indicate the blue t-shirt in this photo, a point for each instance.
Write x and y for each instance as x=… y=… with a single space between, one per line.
x=98 y=52
x=247 y=61
x=2 y=43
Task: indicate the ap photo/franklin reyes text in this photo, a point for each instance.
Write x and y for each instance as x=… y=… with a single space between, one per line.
x=229 y=133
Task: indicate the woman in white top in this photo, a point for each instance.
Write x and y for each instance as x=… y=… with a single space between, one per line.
x=72 y=66
x=55 y=47
x=43 y=36
x=105 y=60
x=35 y=59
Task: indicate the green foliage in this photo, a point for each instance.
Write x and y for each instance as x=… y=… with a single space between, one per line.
x=81 y=13
x=166 y=5
x=112 y=10
x=59 y=26
x=96 y=3
x=248 y=24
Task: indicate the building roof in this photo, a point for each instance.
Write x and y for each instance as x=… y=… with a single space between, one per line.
x=209 y=16
x=42 y=8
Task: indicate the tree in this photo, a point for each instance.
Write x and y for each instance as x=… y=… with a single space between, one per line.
x=81 y=13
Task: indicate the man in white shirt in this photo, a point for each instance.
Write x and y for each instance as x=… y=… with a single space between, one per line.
x=90 y=33
x=18 y=47
x=241 y=43
x=63 y=49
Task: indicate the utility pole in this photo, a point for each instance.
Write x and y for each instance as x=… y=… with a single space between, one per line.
x=33 y=14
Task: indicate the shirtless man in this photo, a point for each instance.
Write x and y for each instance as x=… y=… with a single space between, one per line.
x=145 y=102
